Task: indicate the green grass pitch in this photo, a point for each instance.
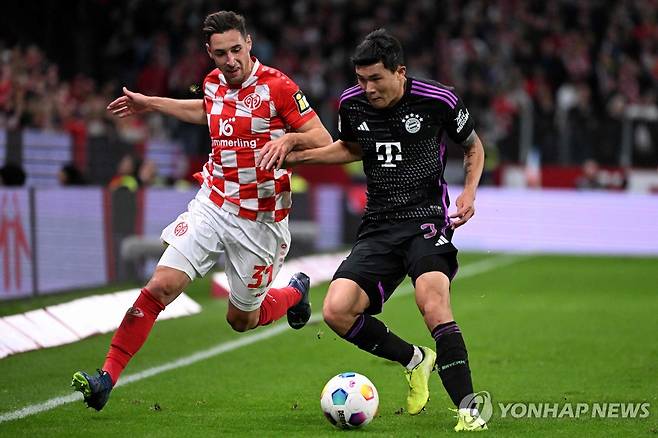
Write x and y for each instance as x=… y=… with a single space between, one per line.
x=544 y=329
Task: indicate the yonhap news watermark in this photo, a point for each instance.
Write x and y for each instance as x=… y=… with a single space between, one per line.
x=482 y=406
x=574 y=410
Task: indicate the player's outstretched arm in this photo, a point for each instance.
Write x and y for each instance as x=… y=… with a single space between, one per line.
x=187 y=110
x=338 y=152
x=473 y=166
x=311 y=134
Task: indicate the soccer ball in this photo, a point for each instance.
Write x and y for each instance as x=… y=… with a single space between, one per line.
x=349 y=400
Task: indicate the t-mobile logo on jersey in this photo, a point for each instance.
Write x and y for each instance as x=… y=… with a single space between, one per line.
x=388 y=152
x=225 y=127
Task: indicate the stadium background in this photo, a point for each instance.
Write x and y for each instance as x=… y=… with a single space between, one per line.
x=564 y=94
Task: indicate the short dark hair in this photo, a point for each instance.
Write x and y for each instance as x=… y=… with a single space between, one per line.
x=223 y=21
x=379 y=45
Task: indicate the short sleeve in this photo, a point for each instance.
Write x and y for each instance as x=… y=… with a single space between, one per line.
x=291 y=103
x=345 y=131
x=458 y=122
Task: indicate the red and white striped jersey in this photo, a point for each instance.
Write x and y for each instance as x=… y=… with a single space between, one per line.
x=241 y=119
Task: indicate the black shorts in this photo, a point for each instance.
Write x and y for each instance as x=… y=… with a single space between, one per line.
x=385 y=254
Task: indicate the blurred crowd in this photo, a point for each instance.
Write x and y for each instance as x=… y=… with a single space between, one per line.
x=570 y=67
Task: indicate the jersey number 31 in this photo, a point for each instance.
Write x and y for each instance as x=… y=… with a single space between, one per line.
x=259 y=273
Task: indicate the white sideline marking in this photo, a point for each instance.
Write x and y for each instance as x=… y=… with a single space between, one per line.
x=64 y=323
x=472 y=269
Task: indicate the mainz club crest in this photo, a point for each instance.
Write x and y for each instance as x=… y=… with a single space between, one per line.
x=252 y=101
x=180 y=229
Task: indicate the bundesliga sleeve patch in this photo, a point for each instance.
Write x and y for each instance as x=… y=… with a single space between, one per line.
x=302 y=104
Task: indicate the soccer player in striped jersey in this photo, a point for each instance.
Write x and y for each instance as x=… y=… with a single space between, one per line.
x=395 y=124
x=241 y=209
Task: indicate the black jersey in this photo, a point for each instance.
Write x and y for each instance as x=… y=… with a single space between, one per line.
x=403 y=149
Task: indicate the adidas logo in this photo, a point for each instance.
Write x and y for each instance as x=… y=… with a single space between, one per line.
x=442 y=241
x=363 y=127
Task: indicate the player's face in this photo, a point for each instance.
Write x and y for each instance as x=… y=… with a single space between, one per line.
x=384 y=88
x=231 y=53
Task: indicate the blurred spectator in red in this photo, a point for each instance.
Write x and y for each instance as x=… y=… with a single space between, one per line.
x=572 y=59
x=154 y=77
x=190 y=69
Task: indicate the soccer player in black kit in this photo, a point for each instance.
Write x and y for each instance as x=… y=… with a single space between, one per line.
x=395 y=124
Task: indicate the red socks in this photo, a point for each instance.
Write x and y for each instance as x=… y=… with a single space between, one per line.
x=276 y=304
x=132 y=333
x=139 y=320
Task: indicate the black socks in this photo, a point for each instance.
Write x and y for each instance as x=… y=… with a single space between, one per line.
x=452 y=361
x=371 y=335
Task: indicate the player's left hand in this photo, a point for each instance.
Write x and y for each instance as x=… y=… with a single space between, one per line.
x=274 y=152
x=465 y=209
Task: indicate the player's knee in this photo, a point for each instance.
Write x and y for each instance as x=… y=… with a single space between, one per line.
x=435 y=309
x=166 y=284
x=238 y=324
x=337 y=318
x=161 y=290
x=330 y=311
x=329 y=315
x=343 y=304
x=434 y=304
x=433 y=296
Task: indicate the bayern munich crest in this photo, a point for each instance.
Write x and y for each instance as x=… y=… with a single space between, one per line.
x=252 y=101
x=412 y=123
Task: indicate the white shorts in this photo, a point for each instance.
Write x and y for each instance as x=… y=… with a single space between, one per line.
x=255 y=251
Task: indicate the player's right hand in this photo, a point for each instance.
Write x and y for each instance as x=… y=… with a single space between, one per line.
x=129 y=104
